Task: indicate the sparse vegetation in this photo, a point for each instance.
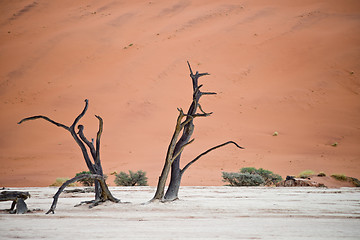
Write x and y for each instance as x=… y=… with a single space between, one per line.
x=306 y=173
x=321 y=174
x=250 y=176
x=343 y=177
x=130 y=45
x=242 y=179
x=87 y=181
x=269 y=177
x=60 y=181
x=340 y=177
x=334 y=144
x=132 y=179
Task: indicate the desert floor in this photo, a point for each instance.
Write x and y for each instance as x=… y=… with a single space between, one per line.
x=201 y=213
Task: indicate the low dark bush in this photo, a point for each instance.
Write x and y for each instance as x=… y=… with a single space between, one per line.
x=132 y=179
x=88 y=182
x=340 y=177
x=269 y=177
x=242 y=179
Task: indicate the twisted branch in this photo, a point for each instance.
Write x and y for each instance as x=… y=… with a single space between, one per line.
x=47 y=119
x=206 y=152
x=75 y=179
x=86 y=141
x=81 y=114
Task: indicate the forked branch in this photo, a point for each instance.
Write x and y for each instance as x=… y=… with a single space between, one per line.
x=86 y=141
x=181 y=149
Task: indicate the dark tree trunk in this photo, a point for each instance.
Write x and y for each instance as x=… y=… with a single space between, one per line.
x=177 y=146
x=102 y=192
x=175 y=182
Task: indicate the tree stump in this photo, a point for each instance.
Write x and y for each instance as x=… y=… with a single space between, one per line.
x=18 y=205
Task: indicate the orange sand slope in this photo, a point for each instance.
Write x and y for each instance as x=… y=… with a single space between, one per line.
x=290 y=67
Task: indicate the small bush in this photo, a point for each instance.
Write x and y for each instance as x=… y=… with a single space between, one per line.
x=60 y=181
x=321 y=174
x=88 y=182
x=269 y=177
x=340 y=177
x=242 y=179
x=132 y=179
x=306 y=174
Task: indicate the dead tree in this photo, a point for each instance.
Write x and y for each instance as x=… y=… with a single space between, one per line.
x=102 y=192
x=184 y=125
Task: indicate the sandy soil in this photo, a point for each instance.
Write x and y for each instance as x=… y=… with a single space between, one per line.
x=201 y=213
x=290 y=67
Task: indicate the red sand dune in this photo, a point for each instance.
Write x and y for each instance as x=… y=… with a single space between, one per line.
x=287 y=66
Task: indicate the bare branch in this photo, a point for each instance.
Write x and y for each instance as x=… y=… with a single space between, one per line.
x=202 y=74
x=195 y=77
x=201 y=109
x=198 y=88
x=208 y=93
x=206 y=152
x=81 y=114
x=191 y=72
x=202 y=115
x=45 y=118
x=179 y=126
x=75 y=179
x=87 y=142
x=187 y=120
x=181 y=112
x=87 y=159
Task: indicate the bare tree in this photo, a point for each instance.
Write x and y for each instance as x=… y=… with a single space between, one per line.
x=184 y=125
x=102 y=192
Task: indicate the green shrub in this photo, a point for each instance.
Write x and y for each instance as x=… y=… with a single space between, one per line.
x=306 y=174
x=87 y=181
x=242 y=179
x=269 y=177
x=132 y=179
x=250 y=170
x=340 y=177
x=60 y=181
x=321 y=174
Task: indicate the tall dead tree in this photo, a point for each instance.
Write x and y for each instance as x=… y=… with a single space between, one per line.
x=184 y=125
x=102 y=192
